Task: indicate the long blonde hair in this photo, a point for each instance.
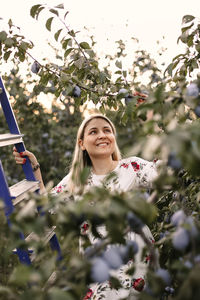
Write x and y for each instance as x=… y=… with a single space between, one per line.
x=81 y=158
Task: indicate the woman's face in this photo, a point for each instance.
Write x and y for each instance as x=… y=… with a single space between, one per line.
x=99 y=139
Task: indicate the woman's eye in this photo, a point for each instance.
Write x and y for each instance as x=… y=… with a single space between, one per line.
x=92 y=132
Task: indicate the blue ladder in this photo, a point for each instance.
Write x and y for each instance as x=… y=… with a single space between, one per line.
x=16 y=193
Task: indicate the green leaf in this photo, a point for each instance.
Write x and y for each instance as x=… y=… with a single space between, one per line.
x=56 y=35
x=124 y=119
x=64 y=77
x=20 y=275
x=125 y=74
x=183 y=29
x=90 y=52
x=21 y=56
x=53 y=11
x=39 y=10
x=187 y=18
x=79 y=62
x=23 y=46
x=195 y=64
x=10 y=23
x=66 y=42
x=84 y=175
x=7 y=55
x=169 y=69
x=48 y=23
x=102 y=109
x=84 y=45
x=102 y=77
x=175 y=64
x=178 y=56
x=3 y=36
x=6 y=292
x=190 y=40
x=118 y=64
x=118 y=72
x=67 y=52
x=61 y=6
x=197 y=46
x=34 y=10
x=9 y=42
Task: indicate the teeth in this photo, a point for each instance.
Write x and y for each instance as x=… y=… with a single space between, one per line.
x=102 y=144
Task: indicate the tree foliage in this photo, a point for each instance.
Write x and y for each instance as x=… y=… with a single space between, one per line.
x=164 y=125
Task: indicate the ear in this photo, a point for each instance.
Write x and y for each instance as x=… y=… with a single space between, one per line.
x=80 y=142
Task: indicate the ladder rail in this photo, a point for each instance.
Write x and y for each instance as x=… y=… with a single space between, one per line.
x=14 y=129
x=5 y=192
x=7 y=109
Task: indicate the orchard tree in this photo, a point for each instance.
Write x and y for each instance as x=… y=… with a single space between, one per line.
x=160 y=121
x=50 y=134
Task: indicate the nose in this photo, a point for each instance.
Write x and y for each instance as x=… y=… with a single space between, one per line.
x=101 y=134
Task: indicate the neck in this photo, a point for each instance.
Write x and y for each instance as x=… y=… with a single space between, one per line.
x=103 y=166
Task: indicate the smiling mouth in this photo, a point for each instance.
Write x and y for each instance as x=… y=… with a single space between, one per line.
x=102 y=144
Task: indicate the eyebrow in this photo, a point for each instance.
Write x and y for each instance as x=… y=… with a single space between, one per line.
x=96 y=128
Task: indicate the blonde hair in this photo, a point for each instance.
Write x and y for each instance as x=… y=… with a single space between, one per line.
x=81 y=158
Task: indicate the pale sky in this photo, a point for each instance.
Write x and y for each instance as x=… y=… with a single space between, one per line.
x=110 y=20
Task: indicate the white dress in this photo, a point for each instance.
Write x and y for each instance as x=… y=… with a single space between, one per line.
x=130 y=173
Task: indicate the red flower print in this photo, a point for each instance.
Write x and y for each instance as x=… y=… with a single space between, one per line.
x=138 y=284
x=155 y=160
x=124 y=165
x=58 y=188
x=84 y=228
x=152 y=240
x=88 y=295
x=135 y=166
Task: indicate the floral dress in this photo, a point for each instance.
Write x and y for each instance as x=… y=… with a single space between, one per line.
x=130 y=173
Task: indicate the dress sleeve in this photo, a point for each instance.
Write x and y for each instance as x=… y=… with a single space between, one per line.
x=146 y=171
x=61 y=186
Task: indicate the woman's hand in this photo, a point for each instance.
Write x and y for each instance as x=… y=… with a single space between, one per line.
x=20 y=157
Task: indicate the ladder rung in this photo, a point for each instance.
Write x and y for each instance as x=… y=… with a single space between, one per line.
x=19 y=190
x=10 y=139
x=51 y=280
x=48 y=234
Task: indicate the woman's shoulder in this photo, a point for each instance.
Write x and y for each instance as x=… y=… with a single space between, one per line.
x=138 y=171
x=136 y=159
x=138 y=164
x=133 y=160
x=61 y=186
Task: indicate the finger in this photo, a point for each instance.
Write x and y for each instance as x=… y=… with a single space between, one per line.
x=20 y=160
x=16 y=154
x=25 y=153
x=30 y=155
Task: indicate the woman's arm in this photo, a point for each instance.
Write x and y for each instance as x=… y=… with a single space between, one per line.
x=20 y=160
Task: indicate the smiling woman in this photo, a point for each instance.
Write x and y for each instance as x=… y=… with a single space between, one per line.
x=97 y=149
x=99 y=142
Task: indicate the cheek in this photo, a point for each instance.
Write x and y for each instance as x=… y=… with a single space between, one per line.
x=113 y=140
x=89 y=141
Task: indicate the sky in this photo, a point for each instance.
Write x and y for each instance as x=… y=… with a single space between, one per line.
x=109 y=21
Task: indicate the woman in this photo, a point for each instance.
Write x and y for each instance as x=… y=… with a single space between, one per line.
x=96 y=148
